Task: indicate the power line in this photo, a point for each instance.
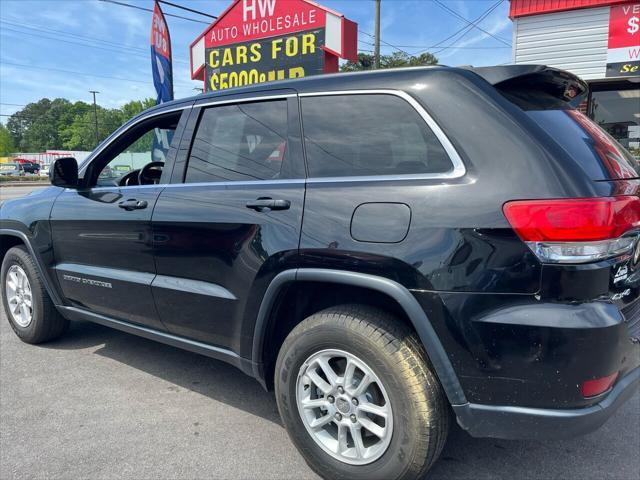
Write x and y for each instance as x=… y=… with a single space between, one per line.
x=464 y=30
x=386 y=43
x=467 y=28
x=40 y=28
x=20 y=65
x=474 y=25
x=71 y=42
x=106 y=48
x=149 y=10
x=188 y=9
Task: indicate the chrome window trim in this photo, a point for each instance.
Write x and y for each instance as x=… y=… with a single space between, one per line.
x=458 y=170
x=241 y=183
x=227 y=183
x=214 y=103
x=122 y=129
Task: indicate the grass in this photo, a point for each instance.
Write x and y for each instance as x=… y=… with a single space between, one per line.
x=8 y=178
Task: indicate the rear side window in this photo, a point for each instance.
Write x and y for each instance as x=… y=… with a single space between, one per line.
x=600 y=154
x=363 y=135
x=242 y=142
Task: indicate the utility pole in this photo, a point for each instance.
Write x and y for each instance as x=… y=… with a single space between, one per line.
x=95 y=115
x=376 y=54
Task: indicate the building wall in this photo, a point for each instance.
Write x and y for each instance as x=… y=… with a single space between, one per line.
x=573 y=40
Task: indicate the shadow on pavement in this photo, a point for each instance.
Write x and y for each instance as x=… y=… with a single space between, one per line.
x=190 y=371
x=463 y=457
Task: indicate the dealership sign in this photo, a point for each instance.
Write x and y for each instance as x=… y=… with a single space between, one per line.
x=623 y=50
x=256 y=41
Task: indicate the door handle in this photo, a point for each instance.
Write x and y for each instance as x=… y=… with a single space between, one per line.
x=133 y=204
x=266 y=204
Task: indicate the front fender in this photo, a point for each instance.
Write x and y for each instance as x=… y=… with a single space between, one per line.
x=27 y=219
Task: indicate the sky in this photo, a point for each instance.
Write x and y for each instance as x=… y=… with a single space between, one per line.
x=64 y=48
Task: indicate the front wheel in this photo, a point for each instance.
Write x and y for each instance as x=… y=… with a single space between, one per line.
x=27 y=304
x=358 y=397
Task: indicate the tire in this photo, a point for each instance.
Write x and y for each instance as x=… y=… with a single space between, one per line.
x=419 y=412
x=45 y=322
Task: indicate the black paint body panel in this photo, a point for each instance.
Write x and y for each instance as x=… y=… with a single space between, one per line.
x=516 y=332
x=90 y=230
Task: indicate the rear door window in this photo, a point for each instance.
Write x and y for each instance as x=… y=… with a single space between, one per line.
x=599 y=153
x=368 y=134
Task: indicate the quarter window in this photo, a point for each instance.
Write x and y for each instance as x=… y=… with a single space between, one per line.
x=374 y=134
x=246 y=141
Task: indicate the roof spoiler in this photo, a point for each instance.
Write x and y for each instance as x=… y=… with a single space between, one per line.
x=560 y=84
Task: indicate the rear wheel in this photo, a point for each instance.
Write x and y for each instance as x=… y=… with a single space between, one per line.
x=358 y=397
x=27 y=304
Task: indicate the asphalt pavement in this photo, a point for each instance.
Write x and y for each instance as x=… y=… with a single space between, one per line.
x=100 y=403
x=9 y=192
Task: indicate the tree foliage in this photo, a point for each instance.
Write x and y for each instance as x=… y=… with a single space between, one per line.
x=6 y=142
x=395 y=60
x=62 y=125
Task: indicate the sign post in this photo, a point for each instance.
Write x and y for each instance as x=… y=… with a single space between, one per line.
x=257 y=41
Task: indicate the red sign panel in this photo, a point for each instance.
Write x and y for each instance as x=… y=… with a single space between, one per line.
x=624 y=26
x=258 y=19
x=523 y=8
x=623 y=54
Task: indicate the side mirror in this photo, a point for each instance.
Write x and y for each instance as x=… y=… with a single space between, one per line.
x=64 y=172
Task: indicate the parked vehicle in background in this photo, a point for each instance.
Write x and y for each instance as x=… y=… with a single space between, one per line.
x=386 y=250
x=12 y=169
x=44 y=171
x=31 y=167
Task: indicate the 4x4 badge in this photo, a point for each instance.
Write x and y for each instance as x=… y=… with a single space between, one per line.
x=621 y=274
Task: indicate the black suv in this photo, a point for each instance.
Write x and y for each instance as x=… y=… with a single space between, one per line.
x=387 y=250
x=31 y=167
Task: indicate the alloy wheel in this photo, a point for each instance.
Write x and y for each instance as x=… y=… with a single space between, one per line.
x=18 y=295
x=344 y=407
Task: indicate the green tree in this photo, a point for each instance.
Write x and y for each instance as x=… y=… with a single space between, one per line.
x=364 y=62
x=60 y=124
x=133 y=108
x=20 y=122
x=39 y=126
x=394 y=60
x=80 y=134
x=6 y=142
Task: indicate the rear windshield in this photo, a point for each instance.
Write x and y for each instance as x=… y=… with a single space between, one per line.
x=598 y=152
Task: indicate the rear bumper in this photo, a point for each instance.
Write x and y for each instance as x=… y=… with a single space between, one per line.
x=523 y=423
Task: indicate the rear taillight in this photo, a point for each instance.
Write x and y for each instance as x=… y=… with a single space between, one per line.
x=576 y=230
x=597 y=386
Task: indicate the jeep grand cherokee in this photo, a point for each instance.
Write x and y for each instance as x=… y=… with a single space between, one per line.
x=385 y=250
